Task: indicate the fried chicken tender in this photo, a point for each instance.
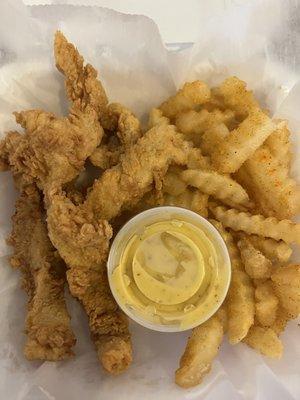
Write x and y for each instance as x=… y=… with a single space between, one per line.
x=82 y=86
x=121 y=121
x=51 y=153
x=82 y=234
x=106 y=155
x=83 y=243
x=53 y=150
x=141 y=165
x=50 y=336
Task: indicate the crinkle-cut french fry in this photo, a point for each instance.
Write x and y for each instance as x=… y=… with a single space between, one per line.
x=256 y=264
x=241 y=143
x=234 y=94
x=264 y=340
x=234 y=254
x=269 y=184
x=194 y=123
x=172 y=182
x=202 y=347
x=196 y=160
x=257 y=224
x=192 y=94
x=272 y=249
x=192 y=200
x=240 y=306
x=213 y=137
x=280 y=146
x=240 y=299
x=156 y=118
x=266 y=304
x=280 y=323
x=221 y=187
x=286 y=284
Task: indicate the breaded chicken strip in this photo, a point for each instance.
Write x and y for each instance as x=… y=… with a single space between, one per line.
x=124 y=130
x=83 y=243
x=84 y=89
x=53 y=150
x=50 y=336
x=82 y=234
x=82 y=86
x=141 y=165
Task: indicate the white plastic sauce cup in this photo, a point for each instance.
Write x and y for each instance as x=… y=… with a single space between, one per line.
x=136 y=226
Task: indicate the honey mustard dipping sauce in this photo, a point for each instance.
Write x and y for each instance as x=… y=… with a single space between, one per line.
x=169 y=269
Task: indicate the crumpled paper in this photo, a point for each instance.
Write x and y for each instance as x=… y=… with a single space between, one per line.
x=257 y=41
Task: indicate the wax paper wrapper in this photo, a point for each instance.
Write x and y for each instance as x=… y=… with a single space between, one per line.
x=257 y=41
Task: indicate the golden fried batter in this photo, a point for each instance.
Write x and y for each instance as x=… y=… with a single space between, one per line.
x=83 y=243
x=120 y=121
x=82 y=234
x=53 y=150
x=140 y=165
x=82 y=86
x=50 y=336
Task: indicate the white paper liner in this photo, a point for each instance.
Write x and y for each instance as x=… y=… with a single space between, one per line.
x=257 y=41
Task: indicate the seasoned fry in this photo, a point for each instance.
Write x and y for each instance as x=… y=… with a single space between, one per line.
x=201 y=349
x=235 y=256
x=266 y=304
x=265 y=341
x=240 y=298
x=241 y=143
x=282 y=318
x=48 y=328
x=280 y=146
x=192 y=94
x=256 y=264
x=240 y=306
x=286 y=284
x=234 y=94
x=272 y=249
x=194 y=123
x=268 y=183
x=257 y=224
x=156 y=118
x=213 y=137
x=219 y=186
